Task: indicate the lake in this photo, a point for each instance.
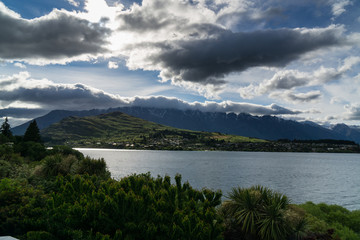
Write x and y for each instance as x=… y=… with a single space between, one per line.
x=317 y=177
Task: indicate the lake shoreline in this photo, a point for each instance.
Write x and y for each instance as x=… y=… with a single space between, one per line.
x=242 y=147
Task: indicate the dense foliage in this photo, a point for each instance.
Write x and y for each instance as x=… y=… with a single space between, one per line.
x=92 y=207
x=136 y=207
x=86 y=207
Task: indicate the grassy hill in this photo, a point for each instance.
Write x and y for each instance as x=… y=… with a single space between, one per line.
x=117 y=129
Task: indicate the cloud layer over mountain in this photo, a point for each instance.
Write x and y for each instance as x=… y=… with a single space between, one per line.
x=44 y=95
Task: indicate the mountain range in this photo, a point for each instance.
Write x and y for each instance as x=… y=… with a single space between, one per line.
x=243 y=124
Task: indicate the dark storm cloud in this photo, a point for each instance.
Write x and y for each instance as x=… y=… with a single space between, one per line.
x=54 y=36
x=60 y=96
x=210 y=60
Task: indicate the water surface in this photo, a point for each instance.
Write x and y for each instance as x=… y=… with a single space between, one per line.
x=318 y=177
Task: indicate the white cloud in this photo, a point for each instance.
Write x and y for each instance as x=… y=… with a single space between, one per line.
x=20 y=65
x=112 y=65
x=337 y=100
x=339 y=6
x=349 y=62
x=98 y=10
x=9 y=12
x=293 y=79
x=74 y=3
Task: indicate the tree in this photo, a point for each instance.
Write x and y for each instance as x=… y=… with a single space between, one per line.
x=5 y=129
x=32 y=133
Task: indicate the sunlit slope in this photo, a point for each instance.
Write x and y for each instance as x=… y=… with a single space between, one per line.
x=120 y=127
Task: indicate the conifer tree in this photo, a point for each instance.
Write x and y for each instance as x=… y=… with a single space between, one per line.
x=32 y=133
x=5 y=129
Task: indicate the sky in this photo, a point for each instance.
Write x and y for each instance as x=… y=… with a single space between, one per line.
x=292 y=59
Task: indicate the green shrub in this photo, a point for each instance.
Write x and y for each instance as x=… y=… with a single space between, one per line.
x=93 y=167
x=354 y=221
x=54 y=165
x=322 y=217
x=39 y=235
x=65 y=151
x=6 y=151
x=343 y=232
x=32 y=151
x=22 y=207
x=11 y=164
x=6 y=169
x=260 y=213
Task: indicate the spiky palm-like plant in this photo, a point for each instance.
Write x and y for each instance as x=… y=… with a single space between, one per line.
x=273 y=224
x=259 y=212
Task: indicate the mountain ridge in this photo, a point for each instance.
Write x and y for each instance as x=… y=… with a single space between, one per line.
x=117 y=129
x=243 y=124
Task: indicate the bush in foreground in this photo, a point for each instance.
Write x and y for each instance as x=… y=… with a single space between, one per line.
x=136 y=207
x=89 y=207
x=260 y=213
x=321 y=217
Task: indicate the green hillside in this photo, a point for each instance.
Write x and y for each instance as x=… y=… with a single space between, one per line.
x=120 y=130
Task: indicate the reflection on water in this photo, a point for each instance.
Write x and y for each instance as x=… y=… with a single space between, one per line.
x=317 y=177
